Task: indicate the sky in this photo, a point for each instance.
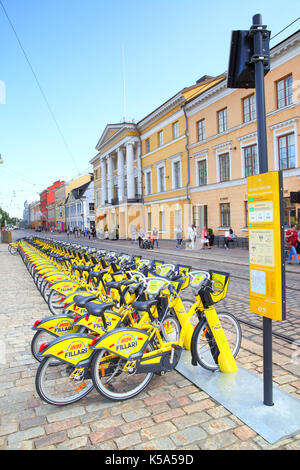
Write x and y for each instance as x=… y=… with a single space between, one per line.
x=75 y=50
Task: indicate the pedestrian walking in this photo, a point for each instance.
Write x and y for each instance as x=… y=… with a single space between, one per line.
x=155 y=236
x=141 y=235
x=291 y=242
x=205 y=238
x=192 y=235
x=133 y=233
x=178 y=236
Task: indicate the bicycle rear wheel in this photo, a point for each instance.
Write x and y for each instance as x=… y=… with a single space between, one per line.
x=62 y=384
x=204 y=344
x=112 y=381
x=56 y=302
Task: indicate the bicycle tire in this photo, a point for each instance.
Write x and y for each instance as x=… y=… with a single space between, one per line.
x=207 y=353
x=107 y=389
x=54 y=307
x=41 y=387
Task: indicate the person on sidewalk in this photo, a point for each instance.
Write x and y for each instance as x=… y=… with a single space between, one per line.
x=178 y=236
x=205 y=238
x=155 y=236
x=142 y=235
x=133 y=234
x=192 y=234
x=229 y=239
x=291 y=238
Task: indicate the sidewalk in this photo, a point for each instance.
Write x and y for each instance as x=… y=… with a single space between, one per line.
x=236 y=255
x=171 y=413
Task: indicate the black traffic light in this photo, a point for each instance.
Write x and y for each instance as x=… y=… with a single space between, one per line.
x=242 y=58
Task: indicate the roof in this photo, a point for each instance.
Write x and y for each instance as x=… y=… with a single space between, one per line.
x=77 y=193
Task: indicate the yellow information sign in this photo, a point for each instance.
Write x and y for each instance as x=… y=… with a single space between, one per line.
x=266 y=245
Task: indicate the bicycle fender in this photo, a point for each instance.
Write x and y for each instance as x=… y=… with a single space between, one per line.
x=71 y=349
x=57 y=325
x=129 y=343
x=65 y=287
x=226 y=360
x=55 y=277
x=95 y=324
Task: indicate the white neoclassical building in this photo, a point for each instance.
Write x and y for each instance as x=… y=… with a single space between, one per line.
x=79 y=207
x=118 y=178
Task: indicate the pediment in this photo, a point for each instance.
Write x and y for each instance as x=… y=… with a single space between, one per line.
x=112 y=130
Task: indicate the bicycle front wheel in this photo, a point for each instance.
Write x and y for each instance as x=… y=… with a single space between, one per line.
x=205 y=346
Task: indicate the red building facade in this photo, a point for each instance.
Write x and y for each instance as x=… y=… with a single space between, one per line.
x=47 y=203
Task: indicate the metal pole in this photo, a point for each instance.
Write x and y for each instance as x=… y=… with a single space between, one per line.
x=258 y=58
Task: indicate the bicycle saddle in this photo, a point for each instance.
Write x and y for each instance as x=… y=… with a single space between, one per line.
x=82 y=267
x=98 y=309
x=145 y=305
x=117 y=284
x=81 y=300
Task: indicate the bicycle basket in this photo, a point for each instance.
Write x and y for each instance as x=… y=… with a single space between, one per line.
x=220 y=285
x=184 y=270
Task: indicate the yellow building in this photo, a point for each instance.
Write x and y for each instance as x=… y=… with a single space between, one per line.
x=187 y=161
x=223 y=143
x=140 y=172
x=60 y=195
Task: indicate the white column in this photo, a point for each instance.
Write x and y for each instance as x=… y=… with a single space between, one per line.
x=110 y=180
x=120 y=174
x=139 y=168
x=130 y=174
x=103 y=183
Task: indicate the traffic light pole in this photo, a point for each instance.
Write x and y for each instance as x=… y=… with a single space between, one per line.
x=258 y=30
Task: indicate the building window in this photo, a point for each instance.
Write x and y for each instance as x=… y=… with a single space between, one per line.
x=225 y=214
x=201 y=130
x=222 y=121
x=161 y=179
x=251 y=160
x=202 y=172
x=149 y=221
x=286 y=151
x=136 y=186
x=175 y=130
x=147 y=145
x=148 y=183
x=162 y=221
x=224 y=167
x=160 y=136
x=176 y=174
x=285 y=92
x=91 y=207
x=249 y=108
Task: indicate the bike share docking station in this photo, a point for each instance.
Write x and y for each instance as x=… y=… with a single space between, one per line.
x=277 y=416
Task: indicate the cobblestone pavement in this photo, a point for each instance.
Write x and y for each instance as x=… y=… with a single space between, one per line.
x=171 y=413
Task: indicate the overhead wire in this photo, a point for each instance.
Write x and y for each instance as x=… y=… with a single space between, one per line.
x=40 y=87
x=286 y=27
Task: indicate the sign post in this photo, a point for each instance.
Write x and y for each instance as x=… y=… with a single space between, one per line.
x=248 y=64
